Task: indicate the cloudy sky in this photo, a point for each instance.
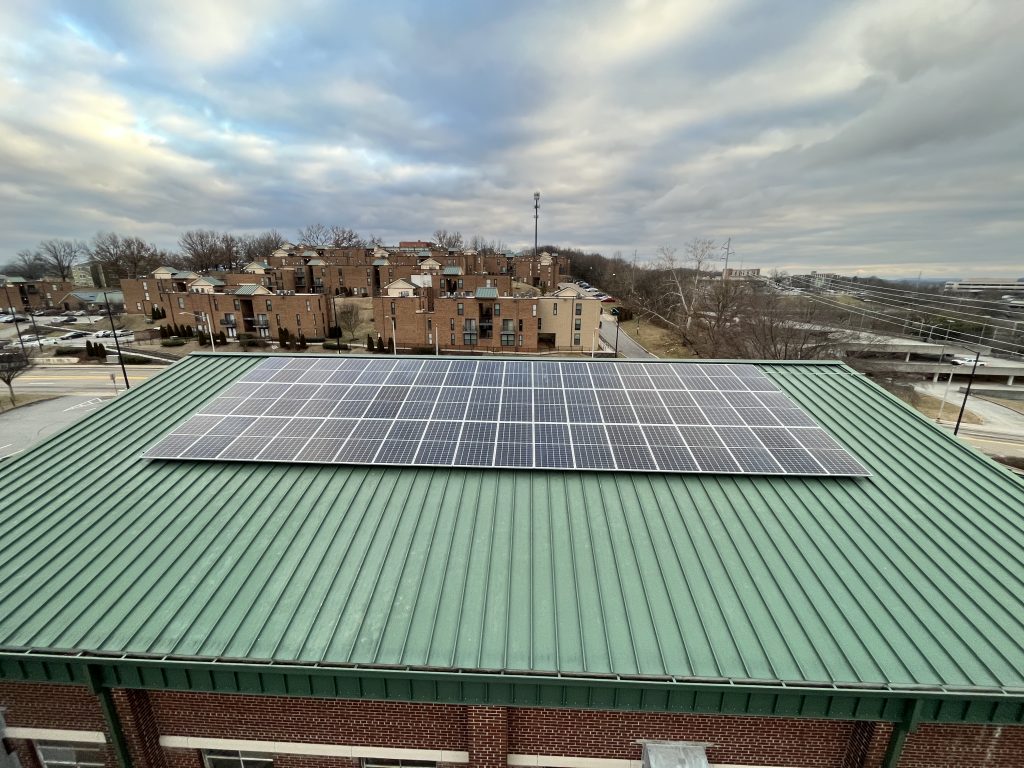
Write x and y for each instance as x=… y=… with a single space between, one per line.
x=874 y=137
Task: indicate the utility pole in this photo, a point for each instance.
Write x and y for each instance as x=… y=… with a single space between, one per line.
x=967 y=394
x=536 y=220
x=14 y=312
x=728 y=252
x=117 y=343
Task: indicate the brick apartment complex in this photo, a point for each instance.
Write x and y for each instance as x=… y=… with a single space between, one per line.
x=484 y=319
x=32 y=295
x=294 y=287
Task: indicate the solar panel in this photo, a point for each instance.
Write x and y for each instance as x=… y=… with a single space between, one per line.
x=595 y=415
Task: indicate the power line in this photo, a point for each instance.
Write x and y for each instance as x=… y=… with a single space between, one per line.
x=908 y=306
x=960 y=337
x=921 y=293
x=860 y=287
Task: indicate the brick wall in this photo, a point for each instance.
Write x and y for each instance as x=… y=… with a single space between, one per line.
x=487 y=733
x=374 y=723
x=762 y=741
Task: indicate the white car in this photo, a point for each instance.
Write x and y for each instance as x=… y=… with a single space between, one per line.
x=966 y=361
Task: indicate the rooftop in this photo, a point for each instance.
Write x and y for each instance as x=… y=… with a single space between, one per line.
x=909 y=582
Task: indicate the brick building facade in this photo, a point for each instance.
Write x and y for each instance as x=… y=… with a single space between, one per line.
x=485 y=321
x=171 y=729
x=24 y=295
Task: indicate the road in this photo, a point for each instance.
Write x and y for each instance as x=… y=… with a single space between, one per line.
x=25 y=426
x=86 y=380
x=627 y=347
x=1001 y=432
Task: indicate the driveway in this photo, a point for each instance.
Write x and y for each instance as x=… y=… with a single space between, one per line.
x=627 y=347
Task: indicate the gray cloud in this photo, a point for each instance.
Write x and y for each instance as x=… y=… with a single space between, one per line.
x=878 y=137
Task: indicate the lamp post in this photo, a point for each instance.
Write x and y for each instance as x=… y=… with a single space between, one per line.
x=536 y=218
x=394 y=333
x=208 y=320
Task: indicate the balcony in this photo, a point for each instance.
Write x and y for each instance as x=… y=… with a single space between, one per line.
x=228 y=322
x=254 y=322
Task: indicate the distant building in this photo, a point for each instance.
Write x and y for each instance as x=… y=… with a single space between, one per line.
x=740 y=274
x=985 y=284
x=32 y=295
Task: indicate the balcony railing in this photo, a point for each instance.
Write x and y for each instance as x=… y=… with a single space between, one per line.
x=229 y=322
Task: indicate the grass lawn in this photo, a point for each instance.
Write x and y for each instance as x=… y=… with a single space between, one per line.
x=655 y=339
x=929 y=406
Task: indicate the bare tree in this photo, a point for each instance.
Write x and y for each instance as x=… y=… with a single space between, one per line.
x=229 y=257
x=260 y=247
x=12 y=365
x=200 y=249
x=451 y=241
x=315 y=235
x=119 y=256
x=27 y=264
x=775 y=327
x=348 y=316
x=671 y=290
x=342 y=237
x=60 y=256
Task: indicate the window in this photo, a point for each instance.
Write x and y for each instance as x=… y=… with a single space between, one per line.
x=430 y=324
x=508 y=326
x=145 y=286
x=392 y=307
x=534 y=310
x=579 y=309
x=138 y=305
x=181 y=303
x=579 y=324
x=460 y=283
x=469 y=339
x=146 y=296
x=229 y=758
x=460 y=309
x=269 y=306
x=238 y=304
x=69 y=754
x=520 y=339
x=453 y=339
x=451 y=324
x=298 y=319
x=508 y=339
x=309 y=308
x=520 y=325
x=540 y=323
x=497 y=310
x=554 y=308
x=576 y=339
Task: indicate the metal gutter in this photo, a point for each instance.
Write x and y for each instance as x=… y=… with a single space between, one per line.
x=503 y=687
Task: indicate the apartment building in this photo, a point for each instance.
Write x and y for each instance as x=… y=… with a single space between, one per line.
x=24 y=295
x=484 y=320
x=205 y=302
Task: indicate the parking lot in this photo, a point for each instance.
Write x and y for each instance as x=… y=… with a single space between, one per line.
x=41 y=331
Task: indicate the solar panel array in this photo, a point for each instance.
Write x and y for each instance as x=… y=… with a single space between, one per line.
x=536 y=414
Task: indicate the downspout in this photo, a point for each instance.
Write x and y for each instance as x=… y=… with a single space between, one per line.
x=106 y=699
x=902 y=729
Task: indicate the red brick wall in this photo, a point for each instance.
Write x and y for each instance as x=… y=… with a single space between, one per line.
x=944 y=746
x=763 y=741
x=372 y=723
x=34 y=705
x=487 y=730
x=488 y=733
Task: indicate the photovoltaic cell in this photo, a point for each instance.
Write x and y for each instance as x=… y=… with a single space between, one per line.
x=622 y=415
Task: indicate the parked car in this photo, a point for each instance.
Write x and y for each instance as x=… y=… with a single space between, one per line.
x=124 y=332
x=966 y=360
x=73 y=335
x=64 y=320
x=102 y=334
x=15 y=319
x=609 y=298
x=6 y=318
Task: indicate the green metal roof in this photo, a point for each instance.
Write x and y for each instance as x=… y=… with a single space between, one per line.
x=486 y=293
x=451 y=270
x=911 y=580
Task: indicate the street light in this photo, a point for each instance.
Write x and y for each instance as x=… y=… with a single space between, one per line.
x=117 y=342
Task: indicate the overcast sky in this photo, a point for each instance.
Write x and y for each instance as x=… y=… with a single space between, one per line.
x=873 y=137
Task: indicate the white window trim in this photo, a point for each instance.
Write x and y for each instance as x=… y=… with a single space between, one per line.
x=321 y=750
x=54 y=734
